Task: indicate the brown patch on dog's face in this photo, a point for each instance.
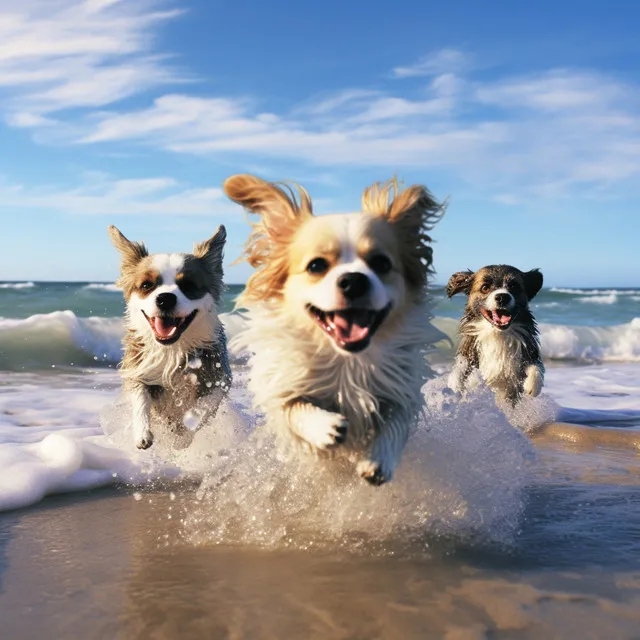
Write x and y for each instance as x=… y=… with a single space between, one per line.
x=141 y=279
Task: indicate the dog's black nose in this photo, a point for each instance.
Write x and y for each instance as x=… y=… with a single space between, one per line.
x=503 y=299
x=166 y=301
x=354 y=285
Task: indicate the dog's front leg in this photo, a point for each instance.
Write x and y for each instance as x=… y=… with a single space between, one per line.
x=141 y=401
x=534 y=380
x=386 y=449
x=321 y=429
x=459 y=374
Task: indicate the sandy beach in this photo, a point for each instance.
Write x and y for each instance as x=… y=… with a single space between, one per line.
x=112 y=564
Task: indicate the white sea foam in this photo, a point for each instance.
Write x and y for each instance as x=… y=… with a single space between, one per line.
x=112 y=288
x=610 y=298
x=59 y=338
x=462 y=474
x=618 y=343
x=17 y=285
x=62 y=339
x=595 y=292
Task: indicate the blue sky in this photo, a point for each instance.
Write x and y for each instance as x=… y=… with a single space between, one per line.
x=133 y=112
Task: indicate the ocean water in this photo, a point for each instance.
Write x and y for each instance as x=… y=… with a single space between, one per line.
x=470 y=482
x=60 y=343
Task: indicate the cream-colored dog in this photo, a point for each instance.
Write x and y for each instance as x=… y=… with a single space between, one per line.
x=339 y=318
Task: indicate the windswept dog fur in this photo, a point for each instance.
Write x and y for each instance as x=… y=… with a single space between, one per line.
x=338 y=315
x=175 y=349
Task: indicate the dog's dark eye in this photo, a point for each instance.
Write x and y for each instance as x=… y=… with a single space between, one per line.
x=515 y=287
x=485 y=288
x=147 y=285
x=318 y=266
x=380 y=264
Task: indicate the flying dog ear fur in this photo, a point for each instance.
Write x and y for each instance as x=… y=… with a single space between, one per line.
x=460 y=282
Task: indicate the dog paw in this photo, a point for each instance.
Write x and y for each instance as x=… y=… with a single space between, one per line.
x=326 y=430
x=145 y=440
x=533 y=382
x=373 y=472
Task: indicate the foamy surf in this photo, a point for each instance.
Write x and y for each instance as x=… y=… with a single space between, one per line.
x=100 y=286
x=462 y=475
x=17 y=285
x=62 y=338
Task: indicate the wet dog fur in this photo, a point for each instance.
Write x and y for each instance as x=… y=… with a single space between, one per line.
x=175 y=367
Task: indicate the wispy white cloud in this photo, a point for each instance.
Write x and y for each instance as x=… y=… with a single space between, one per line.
x=102 y=195
x=547 y=133
x=436 y=63
x=59 y=54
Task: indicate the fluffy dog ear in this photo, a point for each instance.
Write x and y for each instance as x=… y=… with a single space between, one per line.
x=282 y=209
x=460 y=282
x=131 y=252
x=532 y=282
x=282 y=206
x=412 y=212
x=211 y=251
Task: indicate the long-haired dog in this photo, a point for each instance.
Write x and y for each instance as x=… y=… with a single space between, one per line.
x=175 y=350
x=498 y=333
x=338 y=320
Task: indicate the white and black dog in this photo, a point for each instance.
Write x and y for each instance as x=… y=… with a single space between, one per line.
x=498 y=334
x=175 y=350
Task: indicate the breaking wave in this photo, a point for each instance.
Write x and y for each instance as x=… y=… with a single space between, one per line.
x=17 y=285
x=62 y=339
x=99 y=286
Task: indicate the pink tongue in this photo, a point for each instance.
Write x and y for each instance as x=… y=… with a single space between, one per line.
x=162 y=329
x=500 y=319
x=347 y=330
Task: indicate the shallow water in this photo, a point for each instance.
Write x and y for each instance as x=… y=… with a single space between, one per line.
x=135 y=576
x=480 y=535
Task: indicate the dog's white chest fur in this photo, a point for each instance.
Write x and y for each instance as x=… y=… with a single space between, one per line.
x=499 y=353
x=286 y=366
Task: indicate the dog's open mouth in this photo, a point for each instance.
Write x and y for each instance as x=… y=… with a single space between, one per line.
x=168 y=329
x=499 y=318
x=350 y=329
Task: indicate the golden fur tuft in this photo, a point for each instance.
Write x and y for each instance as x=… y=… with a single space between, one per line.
x=283 y=208
x=412 y=212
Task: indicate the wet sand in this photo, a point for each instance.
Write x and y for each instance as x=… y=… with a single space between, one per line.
x=109 y=564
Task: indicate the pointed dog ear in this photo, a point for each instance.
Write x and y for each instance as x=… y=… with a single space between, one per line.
x=131 y=252
x=532 y=282
x=211 y=251
x=460 y=282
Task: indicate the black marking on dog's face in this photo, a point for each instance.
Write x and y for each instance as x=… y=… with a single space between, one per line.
x=500 y=294
x=194 y=279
